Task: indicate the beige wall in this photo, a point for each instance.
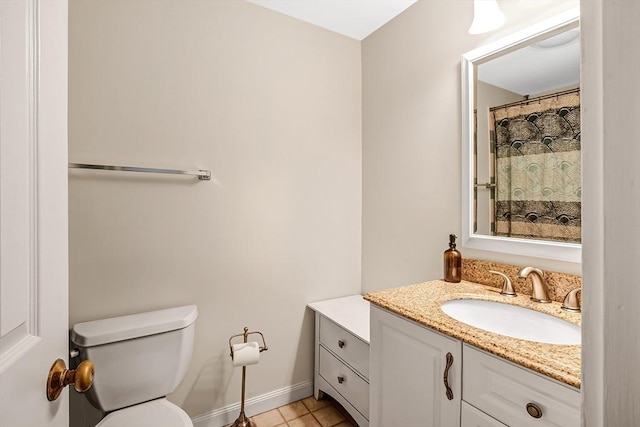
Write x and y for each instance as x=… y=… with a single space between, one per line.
x=272 y=106
x=411 y=138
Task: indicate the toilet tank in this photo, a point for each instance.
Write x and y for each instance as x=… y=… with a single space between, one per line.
x=137 y=358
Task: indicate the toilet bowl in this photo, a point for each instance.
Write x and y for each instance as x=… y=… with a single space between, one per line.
x=139 y=359
x=157 y=413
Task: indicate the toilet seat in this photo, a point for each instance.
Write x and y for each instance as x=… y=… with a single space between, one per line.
x=157 y=413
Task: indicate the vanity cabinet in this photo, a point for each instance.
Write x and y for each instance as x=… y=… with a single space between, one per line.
x=516 y=396
x=409 y=363
x=342 y=354
x=408 y=367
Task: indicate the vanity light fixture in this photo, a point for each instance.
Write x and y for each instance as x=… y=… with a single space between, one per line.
x=487 y=16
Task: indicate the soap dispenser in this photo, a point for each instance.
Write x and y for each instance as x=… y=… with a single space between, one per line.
x=452 y=262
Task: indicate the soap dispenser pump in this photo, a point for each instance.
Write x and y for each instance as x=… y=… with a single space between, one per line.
x=452 y=262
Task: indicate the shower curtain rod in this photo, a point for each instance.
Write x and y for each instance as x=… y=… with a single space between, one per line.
x=536 y=99
x=203 y=175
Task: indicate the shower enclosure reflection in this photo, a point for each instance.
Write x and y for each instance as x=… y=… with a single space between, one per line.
x=537 y=168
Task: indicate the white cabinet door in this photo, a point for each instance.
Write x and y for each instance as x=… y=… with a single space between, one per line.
x=472 y=417
x=407 y=369
x=33 y=209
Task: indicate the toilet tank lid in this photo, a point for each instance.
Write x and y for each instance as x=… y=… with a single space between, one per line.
x=98 y=332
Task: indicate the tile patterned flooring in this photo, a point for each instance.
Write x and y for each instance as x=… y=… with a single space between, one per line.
x=307 y=412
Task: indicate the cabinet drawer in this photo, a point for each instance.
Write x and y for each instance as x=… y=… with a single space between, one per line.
x=472 y=417
x=345 y=381
x=504 y=390
x=346 y=345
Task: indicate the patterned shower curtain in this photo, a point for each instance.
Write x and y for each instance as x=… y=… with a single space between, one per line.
x=538 y=168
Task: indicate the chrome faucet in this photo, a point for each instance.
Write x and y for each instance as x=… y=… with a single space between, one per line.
x=540 y=291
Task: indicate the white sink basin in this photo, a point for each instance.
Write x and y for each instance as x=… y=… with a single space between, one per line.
x=513 y=321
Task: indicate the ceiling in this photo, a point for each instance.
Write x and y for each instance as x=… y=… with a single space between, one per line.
x=542 y=67
x=353 y=18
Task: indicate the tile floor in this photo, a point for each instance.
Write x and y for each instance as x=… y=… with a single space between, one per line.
x=308 y=412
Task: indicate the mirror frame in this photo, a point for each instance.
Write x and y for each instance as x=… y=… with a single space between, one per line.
x=569 y=252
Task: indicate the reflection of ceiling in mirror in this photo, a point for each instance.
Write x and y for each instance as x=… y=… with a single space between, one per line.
x=548 y=65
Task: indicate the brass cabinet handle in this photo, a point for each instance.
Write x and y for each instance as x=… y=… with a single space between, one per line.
x=534 y=410
x=340 y=380
x=340 y=343
x=60 y=377
x=446 y=376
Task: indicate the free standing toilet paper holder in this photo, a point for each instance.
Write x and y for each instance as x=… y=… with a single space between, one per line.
x=243 y=420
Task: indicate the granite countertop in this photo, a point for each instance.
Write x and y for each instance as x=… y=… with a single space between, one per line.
x=421 y=303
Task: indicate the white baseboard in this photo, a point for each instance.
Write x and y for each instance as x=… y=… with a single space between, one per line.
x=256 y=405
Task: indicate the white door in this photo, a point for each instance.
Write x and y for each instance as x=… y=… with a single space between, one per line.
x=33 y=209
x=408 y=366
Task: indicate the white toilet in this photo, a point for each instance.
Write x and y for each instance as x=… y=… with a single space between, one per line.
x=138 y=360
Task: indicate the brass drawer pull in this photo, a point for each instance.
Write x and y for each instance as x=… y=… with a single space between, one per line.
x=340 y=380
x=340 y=343
x=534 y=410
x=446 y=376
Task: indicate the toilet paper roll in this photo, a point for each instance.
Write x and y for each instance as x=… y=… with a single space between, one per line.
x=246 y=353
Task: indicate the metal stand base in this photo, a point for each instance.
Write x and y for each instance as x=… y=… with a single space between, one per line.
x=243 y=421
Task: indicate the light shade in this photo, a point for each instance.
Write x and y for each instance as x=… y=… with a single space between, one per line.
x=487 y=16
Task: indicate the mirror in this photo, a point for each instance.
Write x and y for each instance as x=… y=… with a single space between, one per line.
x=521 y=142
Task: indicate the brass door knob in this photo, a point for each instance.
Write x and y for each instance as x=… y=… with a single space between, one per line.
x=60 y=377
